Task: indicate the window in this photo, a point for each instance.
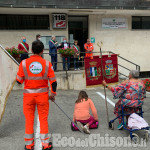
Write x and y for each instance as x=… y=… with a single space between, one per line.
x=20 y=22
x=141 y=22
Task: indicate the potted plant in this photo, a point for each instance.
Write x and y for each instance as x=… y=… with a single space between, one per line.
x=66 y=52
x=14 y=51
x=147 y=84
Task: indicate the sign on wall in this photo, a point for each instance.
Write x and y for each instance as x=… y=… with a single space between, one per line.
x=114 y=23
x=92 y=39
x=59 y=21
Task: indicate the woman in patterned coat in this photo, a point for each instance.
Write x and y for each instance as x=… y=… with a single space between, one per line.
x=131 y=93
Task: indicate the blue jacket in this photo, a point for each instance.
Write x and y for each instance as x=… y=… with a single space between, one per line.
x=52 y=48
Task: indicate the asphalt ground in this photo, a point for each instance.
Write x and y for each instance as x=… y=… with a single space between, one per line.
x=12 y=125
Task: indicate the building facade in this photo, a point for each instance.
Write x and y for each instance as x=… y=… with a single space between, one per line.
x=122 y=26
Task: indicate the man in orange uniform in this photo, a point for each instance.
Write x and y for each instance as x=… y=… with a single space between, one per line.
x=88 y=49
x=36 y=72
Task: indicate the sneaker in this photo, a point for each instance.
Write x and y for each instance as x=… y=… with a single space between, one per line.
x=75 y=69
x=80 y=125
x=50 y=147
x=28 y=147
x=86 y=129
x=78 y=68
x=120 y=126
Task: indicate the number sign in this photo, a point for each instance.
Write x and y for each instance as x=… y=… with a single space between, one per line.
x=59 y=20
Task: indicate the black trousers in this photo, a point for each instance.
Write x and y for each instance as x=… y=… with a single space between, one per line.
x=24 y=56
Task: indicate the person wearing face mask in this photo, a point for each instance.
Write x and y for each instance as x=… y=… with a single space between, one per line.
x=53 y=52
x=23 y=46
x=88 y=49
x=38 y=38
x=65 y=45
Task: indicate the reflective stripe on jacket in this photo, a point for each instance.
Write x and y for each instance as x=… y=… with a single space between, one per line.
x=88 y=47
x=35 y=72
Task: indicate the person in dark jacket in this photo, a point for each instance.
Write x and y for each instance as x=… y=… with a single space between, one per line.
x=38 y=38
x=53 y=52
x=65 y=45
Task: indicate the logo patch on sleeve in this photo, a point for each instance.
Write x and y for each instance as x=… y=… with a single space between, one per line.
x=35 y=67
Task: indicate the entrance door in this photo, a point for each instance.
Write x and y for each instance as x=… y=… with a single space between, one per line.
x=78 y=30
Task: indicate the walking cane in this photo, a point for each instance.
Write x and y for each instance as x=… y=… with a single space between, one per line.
x=67 y=116
x=99 y=45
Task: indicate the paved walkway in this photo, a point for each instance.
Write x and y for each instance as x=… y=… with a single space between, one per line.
x=12 y=126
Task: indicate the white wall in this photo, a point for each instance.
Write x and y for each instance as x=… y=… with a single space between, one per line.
x=8 y=71
x=130 y=44
x=13 y=38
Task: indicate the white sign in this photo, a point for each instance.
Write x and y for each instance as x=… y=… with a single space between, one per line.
x=59 y=20
x=114 y=23
x=35 y=67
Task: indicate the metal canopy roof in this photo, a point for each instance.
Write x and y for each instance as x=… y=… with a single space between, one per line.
x=78 y=4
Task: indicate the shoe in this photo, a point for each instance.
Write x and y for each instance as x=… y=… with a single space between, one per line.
x=75 y=69
x=50 y=147
x=120 y=126
x=125 y=124
x=80 y=125
x=28 y=147
x=78 y=68
x=86 y=129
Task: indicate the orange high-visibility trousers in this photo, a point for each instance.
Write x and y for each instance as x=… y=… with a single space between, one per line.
x=89 y=55
x=29 y=104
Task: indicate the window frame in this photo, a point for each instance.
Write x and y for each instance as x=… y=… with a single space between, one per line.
x=23 y=18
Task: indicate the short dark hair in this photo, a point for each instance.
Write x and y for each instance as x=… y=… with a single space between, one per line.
x=37 y=47
x=38 y=35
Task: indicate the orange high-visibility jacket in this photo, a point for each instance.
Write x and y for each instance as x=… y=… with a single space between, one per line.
x=36 y=72
x=88 y=47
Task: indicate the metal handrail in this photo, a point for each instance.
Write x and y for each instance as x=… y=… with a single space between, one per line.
x=123 y=67
x=82 y=61
x=9 y=55
x=137 y=66
x=123 y=74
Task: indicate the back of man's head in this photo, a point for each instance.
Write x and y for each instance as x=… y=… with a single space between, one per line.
x=37 y=47
x=37 y=36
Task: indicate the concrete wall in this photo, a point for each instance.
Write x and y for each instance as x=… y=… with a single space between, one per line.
x=76 y=81
x=13 y=38
x=7 y=79
x=130 y=44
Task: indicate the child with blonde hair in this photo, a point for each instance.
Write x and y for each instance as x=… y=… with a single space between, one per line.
x=82 y=115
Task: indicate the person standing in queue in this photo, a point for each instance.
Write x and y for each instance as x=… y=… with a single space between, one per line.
x=36 y=72
x=23 y=46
